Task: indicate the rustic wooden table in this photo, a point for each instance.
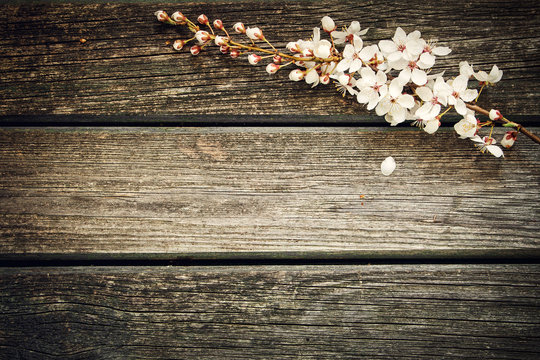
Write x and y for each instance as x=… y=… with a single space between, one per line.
x=159 y=205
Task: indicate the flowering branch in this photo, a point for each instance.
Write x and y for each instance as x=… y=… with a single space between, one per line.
x=392 y=77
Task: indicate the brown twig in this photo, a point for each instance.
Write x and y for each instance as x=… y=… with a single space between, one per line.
x=504 y=121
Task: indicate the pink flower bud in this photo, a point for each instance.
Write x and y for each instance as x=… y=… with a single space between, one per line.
x=495 y=115
x=272 y=68
x=235 y=53
x=202 y=36
x=328 y=24
x=277 y=59
x=254 y=33
x=203 y=19
x=161 y=15
x=508 y=139
x=325 y=79
x=220 y=40
x=218 y=24
x=293 y=47
x=254 y=59
x=224 y=49
x=178 y=44
x=296 y=75
x=178 y=17
x=239 y=28
x=195 y=50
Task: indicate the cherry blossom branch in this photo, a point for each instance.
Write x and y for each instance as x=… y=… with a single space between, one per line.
x=392 y=77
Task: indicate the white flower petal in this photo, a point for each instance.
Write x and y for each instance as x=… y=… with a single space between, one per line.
x=419 y=77
x=495 y=150
x=481 y=76
x=432 y=126
x=343 y=64
x=414 y=48
x=368 y=76
x=424 y=93
x=460 y=83
x=423 y=111
x=469 y=95
x=388 y=166
x=396 y=88
x=460 y=107
x=400 y=35
x=398 y=113
x=383 y=107
x=426 y=61
x=441 y=51
x=404 y=75
x=406 y=100
x=387 y=46
x=355 y=65
x=381 y=77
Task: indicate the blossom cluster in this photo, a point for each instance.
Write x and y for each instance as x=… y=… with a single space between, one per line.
x=393 y=77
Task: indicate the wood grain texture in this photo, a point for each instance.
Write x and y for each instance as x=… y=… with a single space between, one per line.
x=270 y=190
x=382 y=311
x=125 y=66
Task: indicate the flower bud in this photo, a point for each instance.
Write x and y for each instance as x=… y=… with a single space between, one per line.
x=235 y=53
x=178 y=44
x=495 y=114
x=195 y=50
x=239 y=28
x=202 y=36
x=325 y=79
x=254 y=33
x=178 y=17
x=328 y=24
x=277 y=59
x=272 y=68
x=293 y=47
x=220 y=40
x=203 y=19
x=296 y=75
x=508 y=139
x=218 y=24
x=224 y=49
x=254 y=59
x=161 y=15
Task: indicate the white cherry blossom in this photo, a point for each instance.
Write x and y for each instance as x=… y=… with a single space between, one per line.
x=312 y=77
x=467 y=127
x=341 y=37
x=321 y=48
x=460 y=94
x=372 y=87
x=394 y=104
x=402 y=47
x=493 y=77
x=351 y=56
x=487 y=143
x=433 y=99
x=372 y=55
x=465 y=69
x=346 y=83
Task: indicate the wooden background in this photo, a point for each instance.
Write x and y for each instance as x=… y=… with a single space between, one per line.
x=159 y=205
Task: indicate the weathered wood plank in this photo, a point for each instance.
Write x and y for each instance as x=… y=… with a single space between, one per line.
x=126 y=67
x=246 y=190
x=382 y=311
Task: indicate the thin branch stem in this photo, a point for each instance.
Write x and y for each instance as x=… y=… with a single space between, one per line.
x=505 y=121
